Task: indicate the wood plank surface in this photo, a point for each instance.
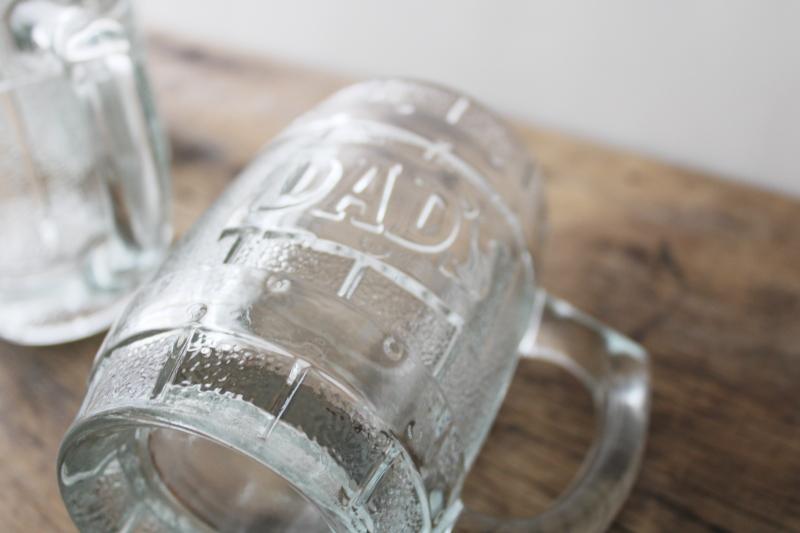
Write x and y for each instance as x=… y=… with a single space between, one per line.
x=706 y=274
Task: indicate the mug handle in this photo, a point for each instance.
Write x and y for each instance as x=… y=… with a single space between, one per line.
x=615 y=370
x=96 y=53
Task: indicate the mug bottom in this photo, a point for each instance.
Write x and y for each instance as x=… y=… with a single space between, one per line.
x=36 y=323
x=201 y=457
x=160 y=478
x=72 y=302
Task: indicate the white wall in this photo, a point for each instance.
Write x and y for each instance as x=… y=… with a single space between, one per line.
x=712 y=84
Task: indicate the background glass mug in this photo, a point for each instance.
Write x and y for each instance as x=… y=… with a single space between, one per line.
x=328 y=346
x=84 y=190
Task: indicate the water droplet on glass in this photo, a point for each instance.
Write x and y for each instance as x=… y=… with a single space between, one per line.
x=393 y=348
x=278 y=285
x=342 y=496
x=410 y=430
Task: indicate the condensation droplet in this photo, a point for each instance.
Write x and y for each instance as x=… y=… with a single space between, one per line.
x=197 y=312
x=342 y=496
x=278 y=285
x=410 y=430
x=393 y=348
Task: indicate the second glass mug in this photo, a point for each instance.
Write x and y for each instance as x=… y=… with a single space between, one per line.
x=328 y=347
x=84 y=190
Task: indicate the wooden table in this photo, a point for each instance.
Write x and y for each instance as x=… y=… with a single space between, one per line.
x=705 y=273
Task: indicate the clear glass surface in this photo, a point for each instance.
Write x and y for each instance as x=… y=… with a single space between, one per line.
x=84 y=200
x=329 y=345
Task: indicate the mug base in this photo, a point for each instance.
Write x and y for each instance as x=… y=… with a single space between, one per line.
x=70 y=304
x=198 y=456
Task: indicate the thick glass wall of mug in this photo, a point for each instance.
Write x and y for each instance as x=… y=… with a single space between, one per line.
x=84 y=189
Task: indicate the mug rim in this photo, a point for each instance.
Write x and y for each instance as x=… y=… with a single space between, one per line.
x=134 y=418
x=235 y=424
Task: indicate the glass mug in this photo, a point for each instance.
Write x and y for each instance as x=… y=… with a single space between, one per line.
x=84 y=189
x=328 y=347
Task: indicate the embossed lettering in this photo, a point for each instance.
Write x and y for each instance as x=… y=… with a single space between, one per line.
x=303 y=184
x=381 y=203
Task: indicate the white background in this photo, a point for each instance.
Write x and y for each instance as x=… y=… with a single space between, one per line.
x=709 y=84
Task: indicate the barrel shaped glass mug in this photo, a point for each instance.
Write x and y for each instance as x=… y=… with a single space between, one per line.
x=328 y=347
x=84 y=199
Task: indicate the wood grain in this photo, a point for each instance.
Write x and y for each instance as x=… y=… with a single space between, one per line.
x=706 y=274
